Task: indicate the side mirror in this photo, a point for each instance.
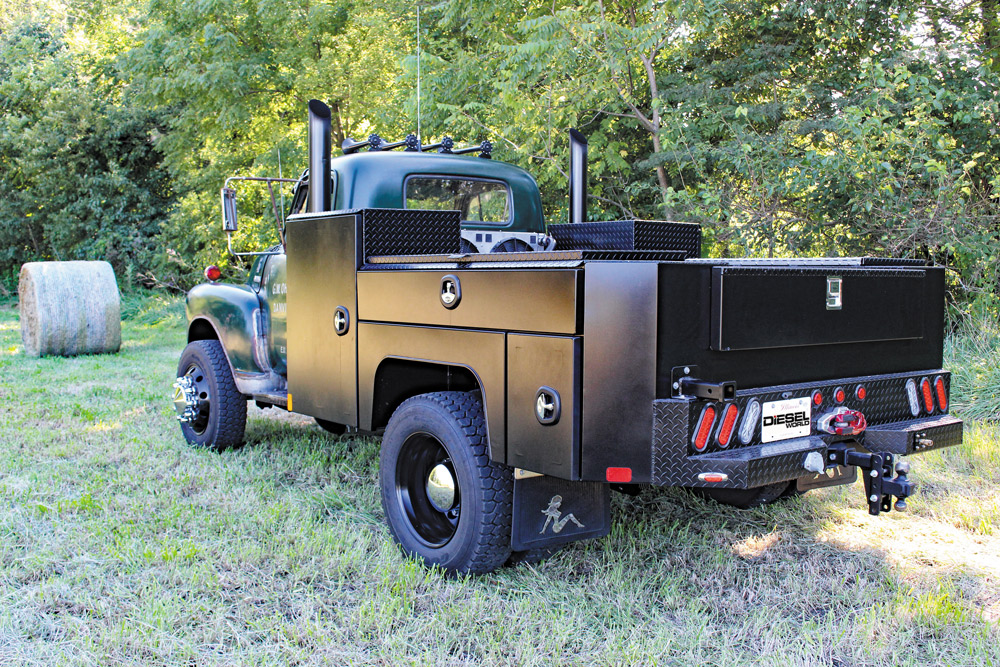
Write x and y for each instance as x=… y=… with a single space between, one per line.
x=229 y=210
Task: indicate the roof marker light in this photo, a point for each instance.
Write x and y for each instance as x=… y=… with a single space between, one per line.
x=942 y=395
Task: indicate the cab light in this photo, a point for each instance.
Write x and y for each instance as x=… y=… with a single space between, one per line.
x=619 y=475
x=750 y=418
x=212 y=273
x=861 y=392
x=942 y=395
x=704 y=429
x=728 y=422
x=817 y=398
x=839 y=395
x=911 y=396
x=925 y=389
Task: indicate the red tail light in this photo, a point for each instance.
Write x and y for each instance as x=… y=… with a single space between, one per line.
x=839 y=395
x=704 y=429
x=817 y=398
x=213 y=273
x=861 y=392
x=925 y=389
x=728 y=423
x=942 y=395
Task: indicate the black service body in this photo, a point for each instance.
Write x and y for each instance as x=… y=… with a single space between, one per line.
x=614 y=359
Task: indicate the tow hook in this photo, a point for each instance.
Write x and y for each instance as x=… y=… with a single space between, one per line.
x=880 y=485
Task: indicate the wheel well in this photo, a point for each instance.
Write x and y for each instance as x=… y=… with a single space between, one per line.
x=399 y=379
x=201 y=329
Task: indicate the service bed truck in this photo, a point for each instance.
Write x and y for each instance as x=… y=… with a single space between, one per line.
x=516 y=389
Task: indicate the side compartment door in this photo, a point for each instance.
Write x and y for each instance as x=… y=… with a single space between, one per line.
x=322 y=361
x=543 y=404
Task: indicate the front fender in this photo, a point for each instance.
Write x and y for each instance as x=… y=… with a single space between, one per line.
x=233 y=311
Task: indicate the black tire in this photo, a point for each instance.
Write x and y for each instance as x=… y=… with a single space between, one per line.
x=221 y=417
x=748 y=498
x=531 y=556
x=446 y=430
x=330 y=427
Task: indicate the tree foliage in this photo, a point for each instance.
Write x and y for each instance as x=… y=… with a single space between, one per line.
x=812 y=128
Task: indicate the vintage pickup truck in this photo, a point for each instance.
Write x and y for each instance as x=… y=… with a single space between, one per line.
x=514 y=390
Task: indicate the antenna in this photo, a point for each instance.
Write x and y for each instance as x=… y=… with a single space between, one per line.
x=280 y=189
x=418 y=72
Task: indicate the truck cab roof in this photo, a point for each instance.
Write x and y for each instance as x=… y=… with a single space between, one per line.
x=379 y=180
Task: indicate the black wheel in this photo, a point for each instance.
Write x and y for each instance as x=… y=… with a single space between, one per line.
x=331 y=427
x=213 y=413
x=531 y=556
x=445 y=501
x=748 y=498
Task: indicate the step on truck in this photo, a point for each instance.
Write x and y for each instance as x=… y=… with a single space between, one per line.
x=515 y=386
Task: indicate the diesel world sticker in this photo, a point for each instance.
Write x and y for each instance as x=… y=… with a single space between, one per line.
x=790 y=418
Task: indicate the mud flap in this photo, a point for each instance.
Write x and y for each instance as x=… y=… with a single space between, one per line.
x=549 y=511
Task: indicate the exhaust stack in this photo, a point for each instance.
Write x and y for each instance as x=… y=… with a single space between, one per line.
x=319 y=157
x=577 y=177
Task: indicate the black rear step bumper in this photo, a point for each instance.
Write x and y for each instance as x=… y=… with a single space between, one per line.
x=761 y=464
x=914 y=435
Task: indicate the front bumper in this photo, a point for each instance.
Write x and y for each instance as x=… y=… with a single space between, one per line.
x=758 y=464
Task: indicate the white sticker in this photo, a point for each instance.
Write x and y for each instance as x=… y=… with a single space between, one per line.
x=790 y=418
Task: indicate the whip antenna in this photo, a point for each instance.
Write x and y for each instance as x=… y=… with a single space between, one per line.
x=418 y=71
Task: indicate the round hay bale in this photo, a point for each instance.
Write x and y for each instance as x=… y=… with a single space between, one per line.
x=69 y=308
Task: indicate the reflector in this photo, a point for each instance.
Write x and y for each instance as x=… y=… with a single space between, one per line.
x=619 y=475
x=212 y=273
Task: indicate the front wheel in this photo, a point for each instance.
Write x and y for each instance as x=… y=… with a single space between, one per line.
x=445 y=501
x=212 y=411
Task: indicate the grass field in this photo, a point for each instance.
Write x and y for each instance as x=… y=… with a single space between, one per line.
x=121 y=545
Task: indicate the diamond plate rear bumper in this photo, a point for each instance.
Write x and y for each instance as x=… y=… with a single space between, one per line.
x=758 y=464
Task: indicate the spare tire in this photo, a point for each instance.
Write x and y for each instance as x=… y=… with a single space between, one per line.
x=69 y=308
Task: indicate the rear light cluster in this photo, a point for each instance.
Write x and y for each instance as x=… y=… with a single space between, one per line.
x=923 y=399
x=710 y=416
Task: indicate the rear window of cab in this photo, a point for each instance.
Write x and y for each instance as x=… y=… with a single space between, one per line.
x=478 y=199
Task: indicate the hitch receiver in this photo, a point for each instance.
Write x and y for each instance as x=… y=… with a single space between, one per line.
x=880 y=485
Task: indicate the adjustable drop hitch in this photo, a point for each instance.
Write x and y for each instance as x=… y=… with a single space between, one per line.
x=878 y=469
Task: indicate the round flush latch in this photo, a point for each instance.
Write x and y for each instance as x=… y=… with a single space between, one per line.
x=451 y=291
x=341 y=320
x=547 y=406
